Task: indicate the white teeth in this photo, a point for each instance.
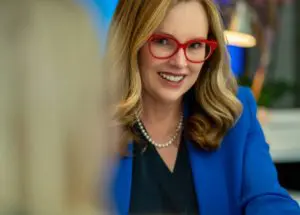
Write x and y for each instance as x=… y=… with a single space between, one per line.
x=171 y=77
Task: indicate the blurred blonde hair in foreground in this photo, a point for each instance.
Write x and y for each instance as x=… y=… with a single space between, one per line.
x=53 y=110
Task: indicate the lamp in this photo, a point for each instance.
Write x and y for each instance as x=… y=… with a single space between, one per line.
x=239 y=32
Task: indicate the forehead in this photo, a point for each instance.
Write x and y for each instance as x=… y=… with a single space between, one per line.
x=186 y=20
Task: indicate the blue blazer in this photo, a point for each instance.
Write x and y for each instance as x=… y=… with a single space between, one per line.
x=239 y=178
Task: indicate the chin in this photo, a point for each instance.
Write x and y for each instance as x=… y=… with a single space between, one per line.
x=171 y=97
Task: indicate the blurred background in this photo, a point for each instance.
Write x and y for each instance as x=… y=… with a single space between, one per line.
x=263 y=42
x=51 y=73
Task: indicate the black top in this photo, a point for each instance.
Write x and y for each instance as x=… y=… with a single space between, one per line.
x=157 y=190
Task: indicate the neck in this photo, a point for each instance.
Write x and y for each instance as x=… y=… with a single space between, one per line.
x=155 y=111
x=160 y=119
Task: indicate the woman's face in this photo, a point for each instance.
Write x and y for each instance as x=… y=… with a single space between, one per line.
x=167 y=79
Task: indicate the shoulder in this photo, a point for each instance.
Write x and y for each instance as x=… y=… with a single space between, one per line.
x=237 y=140
x=245 y=96
x=244 y=124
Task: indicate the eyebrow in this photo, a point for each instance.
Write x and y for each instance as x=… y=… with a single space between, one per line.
x=171 y=35
x=162 y=32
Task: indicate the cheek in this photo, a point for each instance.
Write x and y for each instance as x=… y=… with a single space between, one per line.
x=146 y=61
x=196 y=69
x=143 y=61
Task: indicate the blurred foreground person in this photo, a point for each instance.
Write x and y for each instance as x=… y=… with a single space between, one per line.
x=191 y=141
x=53 y=110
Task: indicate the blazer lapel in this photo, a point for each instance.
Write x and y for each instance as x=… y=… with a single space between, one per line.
x=209 y=179
x=122 y=185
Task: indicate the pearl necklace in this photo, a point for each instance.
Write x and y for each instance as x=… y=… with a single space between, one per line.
x=149 y=139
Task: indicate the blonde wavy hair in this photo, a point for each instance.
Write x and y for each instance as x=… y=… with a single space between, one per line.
x=52 y=110
x=214 y=103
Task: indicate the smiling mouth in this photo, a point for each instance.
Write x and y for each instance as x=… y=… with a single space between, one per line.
x=172 y=78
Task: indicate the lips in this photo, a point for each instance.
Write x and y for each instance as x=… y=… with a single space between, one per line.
x=172 y=77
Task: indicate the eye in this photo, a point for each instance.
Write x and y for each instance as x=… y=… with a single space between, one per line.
x=161 y=41
x=196 y=45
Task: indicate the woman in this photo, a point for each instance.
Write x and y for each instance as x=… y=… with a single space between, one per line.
x=191 y=142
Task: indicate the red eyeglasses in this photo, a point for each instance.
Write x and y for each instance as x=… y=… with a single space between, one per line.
x=164 y=46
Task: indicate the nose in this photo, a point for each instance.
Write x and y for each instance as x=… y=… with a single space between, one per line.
x=179 y=59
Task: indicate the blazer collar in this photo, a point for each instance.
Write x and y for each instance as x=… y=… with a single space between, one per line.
x=122 y=183
x=207 y=167
x=210 y=186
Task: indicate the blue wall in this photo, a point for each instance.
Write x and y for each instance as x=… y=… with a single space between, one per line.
x=237 y=55
x=101 y=12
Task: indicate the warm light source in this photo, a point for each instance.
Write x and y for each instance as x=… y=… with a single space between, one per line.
x=239 y=39
x=239 y=32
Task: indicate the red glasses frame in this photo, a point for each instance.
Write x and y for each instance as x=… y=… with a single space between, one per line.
x=211 y=43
